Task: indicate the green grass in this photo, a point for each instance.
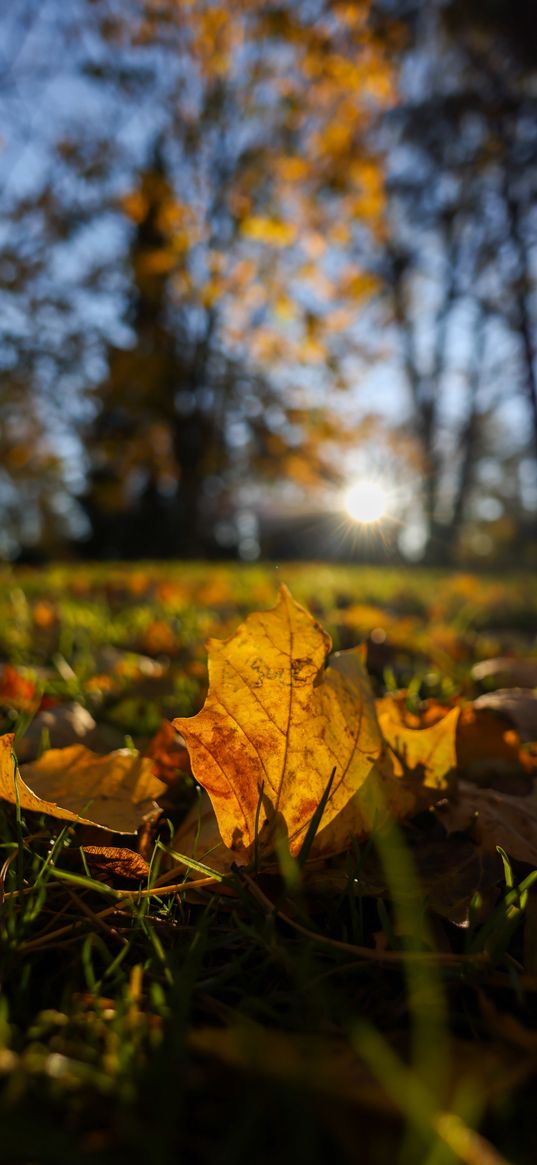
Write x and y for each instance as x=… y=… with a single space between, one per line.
x=271 y=1018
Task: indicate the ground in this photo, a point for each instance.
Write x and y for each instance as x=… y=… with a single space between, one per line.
x=380 y=1007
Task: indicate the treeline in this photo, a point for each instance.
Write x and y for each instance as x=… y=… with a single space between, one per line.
x=220 y=225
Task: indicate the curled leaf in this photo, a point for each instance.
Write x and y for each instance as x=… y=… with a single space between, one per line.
x=116 y=862
x=425 y=756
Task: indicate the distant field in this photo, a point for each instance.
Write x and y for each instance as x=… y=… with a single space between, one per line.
x=423 y=627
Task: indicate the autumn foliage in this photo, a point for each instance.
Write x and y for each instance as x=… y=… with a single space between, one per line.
x=286 y=737
x=343 y=841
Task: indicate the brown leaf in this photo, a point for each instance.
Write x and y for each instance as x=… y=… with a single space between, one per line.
x=518 y=705
x=449 y=870
x=168 y=754
x=506 y=672
x=501 y=819
x=380 y=798
x=116 y=861
x=489 y=749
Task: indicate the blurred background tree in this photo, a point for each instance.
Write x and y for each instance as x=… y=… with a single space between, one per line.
x=251 y=251
x=459 y=266
x=248 y=222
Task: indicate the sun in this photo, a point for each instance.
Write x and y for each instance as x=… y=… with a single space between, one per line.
x=367 y=501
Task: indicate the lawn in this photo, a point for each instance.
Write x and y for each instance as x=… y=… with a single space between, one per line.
x=378 y=1005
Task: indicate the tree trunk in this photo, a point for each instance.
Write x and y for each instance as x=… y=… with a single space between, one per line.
x=469 y=438
x=522 y=294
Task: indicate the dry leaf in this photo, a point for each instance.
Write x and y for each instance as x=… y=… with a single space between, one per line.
x=501 y=820
x=449 y=870
x=378 y=798
x=506 y=672
x=381 y=798
x=518 y=705
x=68 y=783
x=116 y=861
x=490 y=751
x=428 y=756
x=168 y=754
x=487 y=746
x=382 y=795
x=275 y=721
x=119 y=789
x=14 y=789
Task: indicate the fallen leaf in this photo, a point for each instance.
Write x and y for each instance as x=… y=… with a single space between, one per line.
x=44 y=615
x=396 y=706
x=489 y=749
x=116 y=861
x=518 y=705
x=449 y=871
x=506 y=672
x=168 y=753
x=496 y=819
x=118 y=789
x=427 y=755
x=159 y=639
x=14 y=789
x=275 y=725
x=380 y=798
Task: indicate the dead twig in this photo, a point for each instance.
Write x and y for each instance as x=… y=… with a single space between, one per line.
x=441 y=957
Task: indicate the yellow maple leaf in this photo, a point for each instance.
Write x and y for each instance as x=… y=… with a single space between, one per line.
x=117 y=790
x=276 y=724
x=425 y=756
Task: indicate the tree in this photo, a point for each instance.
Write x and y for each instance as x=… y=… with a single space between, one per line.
x=458 y=267
x=252 y=194
x=508 y=105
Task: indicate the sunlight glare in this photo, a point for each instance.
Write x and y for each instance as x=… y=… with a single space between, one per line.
x=367 y=500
